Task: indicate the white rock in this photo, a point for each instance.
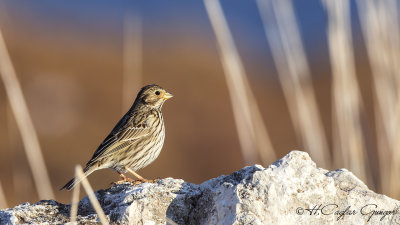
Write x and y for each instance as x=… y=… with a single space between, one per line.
x=290 y=191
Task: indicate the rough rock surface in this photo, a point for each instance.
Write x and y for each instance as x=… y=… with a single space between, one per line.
x=290 y=191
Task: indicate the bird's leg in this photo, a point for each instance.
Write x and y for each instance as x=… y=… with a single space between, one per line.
x=141 y=179
x=124 y=179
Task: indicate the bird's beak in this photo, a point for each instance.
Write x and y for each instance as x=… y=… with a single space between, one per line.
x=167 y=95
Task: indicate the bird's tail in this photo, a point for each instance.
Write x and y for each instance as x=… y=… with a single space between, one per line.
x=86 y=172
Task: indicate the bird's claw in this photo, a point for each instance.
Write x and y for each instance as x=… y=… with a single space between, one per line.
x=134 y=182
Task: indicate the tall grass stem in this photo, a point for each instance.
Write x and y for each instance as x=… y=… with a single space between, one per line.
x=132 y=57
x=380 y=26
x=253 y=135
x=3 y=200
x=24 y=123
x=92 y=197
x=349 y=147
x=283 y=36
x=75 y=200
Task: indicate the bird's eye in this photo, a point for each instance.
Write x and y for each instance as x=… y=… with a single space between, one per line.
x=157 y=93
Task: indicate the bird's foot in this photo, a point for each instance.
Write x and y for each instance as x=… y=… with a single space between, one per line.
x=124 y=180
x=143 y=181
x=134 y=182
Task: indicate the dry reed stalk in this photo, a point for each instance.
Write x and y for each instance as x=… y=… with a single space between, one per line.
x=132 y=57
x=394 y=186
x=393 y=30
x=349 y=144
x=75 y=200
x=287 y=50
x=91 y=195
x=252 y=133
x=380 y=26
x=3 y=201
x=24 y=123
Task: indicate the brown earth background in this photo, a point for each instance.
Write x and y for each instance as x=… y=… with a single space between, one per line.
x=69 y=61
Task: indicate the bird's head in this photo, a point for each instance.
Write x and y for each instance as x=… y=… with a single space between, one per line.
x=153 y=96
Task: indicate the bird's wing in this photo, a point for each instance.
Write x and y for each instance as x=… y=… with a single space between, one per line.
x=123 y=135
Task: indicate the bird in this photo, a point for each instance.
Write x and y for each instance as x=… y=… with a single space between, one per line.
x=136 y=140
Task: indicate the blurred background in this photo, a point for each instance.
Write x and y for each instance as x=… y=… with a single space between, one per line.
x=252 y=81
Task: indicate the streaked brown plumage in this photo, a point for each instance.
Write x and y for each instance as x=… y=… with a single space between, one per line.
x=136 y=140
